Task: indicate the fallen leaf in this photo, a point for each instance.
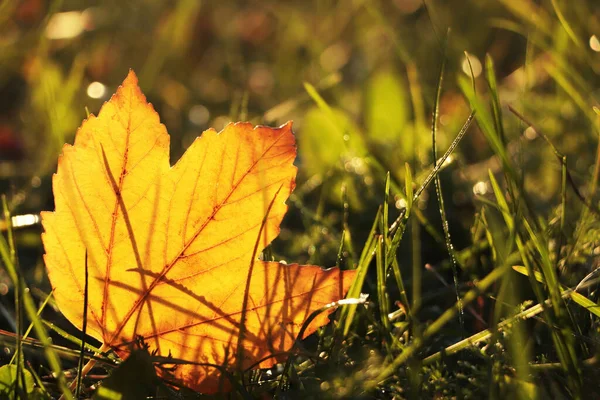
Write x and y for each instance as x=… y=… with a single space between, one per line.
x=172 y=251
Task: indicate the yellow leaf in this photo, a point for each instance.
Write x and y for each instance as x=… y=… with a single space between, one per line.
x=172 y=251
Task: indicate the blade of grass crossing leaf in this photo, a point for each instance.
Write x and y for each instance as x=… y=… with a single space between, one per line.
x=242 y=324
x=83 y=330
x=440 y=196
x=73 y=339
x=108 y=360
x=31 y=311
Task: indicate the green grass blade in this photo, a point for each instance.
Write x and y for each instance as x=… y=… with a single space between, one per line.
x=442 y=160
x=16 y=278
x=385 y=226
x=564 y=342
x=484 y=335
x=565 y=24
x=30 y=327
x=382 y=296
x=397 y=188
x=347 y=314
x=578 y=298
x=408 y=188
x=440 y=196
x=565 y=83
x=487 y=125
x=73 y=339
x=320 y=102
x=389 y=258
x=433 y=328
x=496 y=107
x=471 y=73
x=31 y=311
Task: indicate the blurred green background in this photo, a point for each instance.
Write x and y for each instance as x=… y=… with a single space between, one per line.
x=357 y=77
x=375 y=65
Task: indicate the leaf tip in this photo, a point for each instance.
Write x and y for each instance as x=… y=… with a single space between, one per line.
x=131 y=78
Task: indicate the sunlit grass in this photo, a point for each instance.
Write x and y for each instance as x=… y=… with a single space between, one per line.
x=507 y=219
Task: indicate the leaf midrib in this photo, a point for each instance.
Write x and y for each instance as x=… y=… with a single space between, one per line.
x=122 y=174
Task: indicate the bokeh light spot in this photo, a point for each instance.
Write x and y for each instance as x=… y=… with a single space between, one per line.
x=96 y=90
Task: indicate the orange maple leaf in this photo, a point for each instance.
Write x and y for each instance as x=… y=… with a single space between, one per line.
x=172 y=251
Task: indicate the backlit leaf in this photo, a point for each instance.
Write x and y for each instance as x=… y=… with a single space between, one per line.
x=172 y=250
